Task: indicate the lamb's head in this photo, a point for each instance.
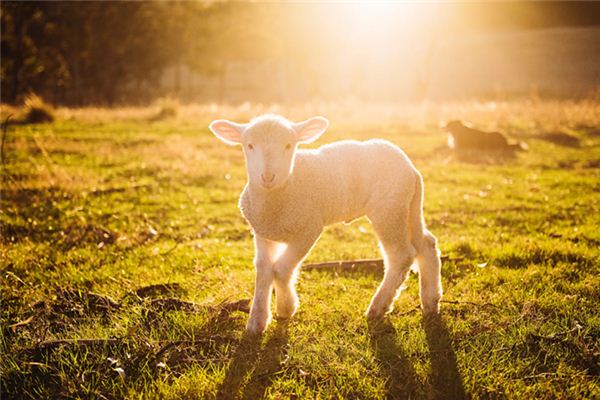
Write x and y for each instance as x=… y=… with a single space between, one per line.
x=269 y=144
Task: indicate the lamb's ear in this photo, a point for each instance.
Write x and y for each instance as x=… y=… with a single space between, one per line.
x=308 y=131
x=229 y=132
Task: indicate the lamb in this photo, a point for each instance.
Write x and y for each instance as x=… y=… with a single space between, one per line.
x=292 y=194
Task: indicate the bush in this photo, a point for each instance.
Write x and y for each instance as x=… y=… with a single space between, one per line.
x=36 y=110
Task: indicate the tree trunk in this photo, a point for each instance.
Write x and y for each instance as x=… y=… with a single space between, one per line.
x=20 y=29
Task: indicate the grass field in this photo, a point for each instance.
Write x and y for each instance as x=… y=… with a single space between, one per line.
x=103 y=203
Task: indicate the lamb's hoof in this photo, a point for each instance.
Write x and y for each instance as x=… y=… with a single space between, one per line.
x=286 y=312
x=256 y=326
x=374 y=314
x=431 y=308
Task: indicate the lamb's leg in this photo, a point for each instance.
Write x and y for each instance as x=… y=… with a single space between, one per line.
x=398 y=254
x=285 y=271
x=260 y=314
x=430 y=280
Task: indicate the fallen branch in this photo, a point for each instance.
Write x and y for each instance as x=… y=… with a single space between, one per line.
x=21 y=323
x=350 y=265
x=13 y=275
x=556 y=337
x=345 y=265
x=167 y=252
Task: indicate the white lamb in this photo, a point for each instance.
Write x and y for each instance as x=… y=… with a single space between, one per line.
x=292 y=194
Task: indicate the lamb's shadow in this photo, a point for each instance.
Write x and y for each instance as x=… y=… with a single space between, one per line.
x=401 y=381
x=444 y=378
x=262 y=363
x=270 y=362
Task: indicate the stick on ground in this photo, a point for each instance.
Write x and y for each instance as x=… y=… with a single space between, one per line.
x=349 y=265
x=345 y=265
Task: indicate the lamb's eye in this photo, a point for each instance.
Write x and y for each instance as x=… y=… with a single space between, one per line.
x=250 y=147
x=288 y=146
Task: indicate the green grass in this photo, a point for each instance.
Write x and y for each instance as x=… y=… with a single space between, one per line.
x=94 y=206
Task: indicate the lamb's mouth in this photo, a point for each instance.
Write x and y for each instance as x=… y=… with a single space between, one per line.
x=268 y=185
x=275 y=185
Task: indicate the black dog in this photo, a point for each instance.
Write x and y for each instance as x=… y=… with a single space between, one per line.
x=465 y=138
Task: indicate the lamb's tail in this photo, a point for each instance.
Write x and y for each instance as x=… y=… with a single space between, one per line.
x=428 y=256
x=415 y=217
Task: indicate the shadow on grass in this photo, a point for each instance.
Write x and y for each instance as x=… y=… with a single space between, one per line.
x=560 y=139
x=444 y=378
x=497 y=157
x=253 y=368
x=444 y=381
x=401 y=382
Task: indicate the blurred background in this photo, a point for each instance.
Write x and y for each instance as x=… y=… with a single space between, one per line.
x=131 y=53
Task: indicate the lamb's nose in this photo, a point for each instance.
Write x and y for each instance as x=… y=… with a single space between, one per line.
x=267 y=177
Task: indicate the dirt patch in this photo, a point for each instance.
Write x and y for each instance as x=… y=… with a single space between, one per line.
x=173 y=304
x=69 y=306
x=159 y=289
x=76 y=234
x=595 y=132
x=592 y=164
x=577 y=164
